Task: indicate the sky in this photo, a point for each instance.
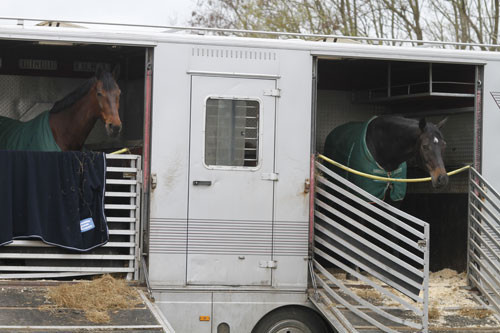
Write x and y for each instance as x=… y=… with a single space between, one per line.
x=150 y=12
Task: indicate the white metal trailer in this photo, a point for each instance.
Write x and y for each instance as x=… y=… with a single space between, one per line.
x=220 y=219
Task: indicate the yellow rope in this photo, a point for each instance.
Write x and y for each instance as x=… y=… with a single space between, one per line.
x=362 y=174
x=121 y=151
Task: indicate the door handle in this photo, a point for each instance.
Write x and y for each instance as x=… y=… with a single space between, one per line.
x=202 y=182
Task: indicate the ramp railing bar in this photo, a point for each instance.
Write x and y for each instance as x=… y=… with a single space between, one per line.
x=476 y=223
x=370 y=198
x=365 y=268
x=479 y=259
x=484 y=194
x=351 y=231
x=371 y=208
x=477 y=235
x=368 y=218
x=338 y=315
x=361 y=301
x=483 y=260
x=367 y=243
x=369 y=282
x=477 y=176
x=479 y=202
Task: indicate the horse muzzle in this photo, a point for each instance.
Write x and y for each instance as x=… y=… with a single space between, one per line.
x=439 y=179
x=113 y=130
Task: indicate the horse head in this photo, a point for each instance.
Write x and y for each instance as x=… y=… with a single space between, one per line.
x=430 y=149
x=108 y=96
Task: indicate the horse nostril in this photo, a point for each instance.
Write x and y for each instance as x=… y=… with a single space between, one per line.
x=113 y=130
x=443 y=179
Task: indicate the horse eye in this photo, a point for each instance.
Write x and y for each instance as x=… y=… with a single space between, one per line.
x=99 y=94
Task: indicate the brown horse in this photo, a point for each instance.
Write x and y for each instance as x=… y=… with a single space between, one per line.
x=67 y=125
x=73 y=117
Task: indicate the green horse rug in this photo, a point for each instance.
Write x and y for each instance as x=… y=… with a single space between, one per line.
x=346 y=144
x=32 y=135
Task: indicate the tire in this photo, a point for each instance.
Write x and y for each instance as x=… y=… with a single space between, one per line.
x=292 y=320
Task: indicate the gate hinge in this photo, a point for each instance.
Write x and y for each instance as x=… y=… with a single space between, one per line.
x=273 y=92
x=268 y=264
x=270 y=176
x=422 y=243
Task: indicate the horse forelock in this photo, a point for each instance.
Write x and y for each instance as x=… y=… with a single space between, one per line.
x=433 y=133
x=108 y=82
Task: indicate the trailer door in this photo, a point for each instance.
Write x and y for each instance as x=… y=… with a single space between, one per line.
x=231 y=181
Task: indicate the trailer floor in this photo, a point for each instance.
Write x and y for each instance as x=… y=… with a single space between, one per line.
x=22 y=310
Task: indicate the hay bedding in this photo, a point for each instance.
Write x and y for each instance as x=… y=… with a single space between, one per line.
x=448 y=295
x=95 y=298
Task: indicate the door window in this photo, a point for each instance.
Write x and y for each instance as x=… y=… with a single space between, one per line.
x=232 y=133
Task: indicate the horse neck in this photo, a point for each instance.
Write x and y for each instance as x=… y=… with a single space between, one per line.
x=392 y=140
x=72 y=126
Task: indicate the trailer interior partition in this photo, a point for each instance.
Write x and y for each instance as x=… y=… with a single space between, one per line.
x=33 y=76
x=354 y=89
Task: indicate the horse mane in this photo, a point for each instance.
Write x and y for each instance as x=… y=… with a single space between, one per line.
x=108 y=83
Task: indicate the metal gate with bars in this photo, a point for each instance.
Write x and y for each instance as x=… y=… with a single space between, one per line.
x=483 y=260
x=385 y=249
x=35 y=259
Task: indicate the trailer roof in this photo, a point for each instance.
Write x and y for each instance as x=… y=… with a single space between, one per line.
x=153 y=35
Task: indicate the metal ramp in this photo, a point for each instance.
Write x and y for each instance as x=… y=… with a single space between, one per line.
x=483 y=261
x=384 y=248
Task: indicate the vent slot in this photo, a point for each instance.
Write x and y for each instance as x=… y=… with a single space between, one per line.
x=233 y=54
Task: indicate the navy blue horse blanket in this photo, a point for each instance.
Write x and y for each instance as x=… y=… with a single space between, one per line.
x=34 y=135
x=346 y=144
x=57 y=197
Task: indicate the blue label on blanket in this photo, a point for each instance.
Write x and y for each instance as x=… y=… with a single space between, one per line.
x=87 y=224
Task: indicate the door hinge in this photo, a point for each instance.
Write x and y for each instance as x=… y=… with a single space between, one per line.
x=273 y=92
x=270 y=176
x=154 y=181
x=268 y=264
x=307 y=186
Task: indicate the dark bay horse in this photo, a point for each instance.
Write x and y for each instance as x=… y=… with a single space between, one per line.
x=66 y=126
x=382 y=146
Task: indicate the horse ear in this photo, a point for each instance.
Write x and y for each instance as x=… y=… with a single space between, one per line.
x=116 y=72
x=422 y=123
x=442 y=122
x=98 y=71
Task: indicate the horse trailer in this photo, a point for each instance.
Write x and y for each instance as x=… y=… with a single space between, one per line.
x=223 y=206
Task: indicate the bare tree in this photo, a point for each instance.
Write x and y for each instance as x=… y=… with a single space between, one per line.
x=467 y=21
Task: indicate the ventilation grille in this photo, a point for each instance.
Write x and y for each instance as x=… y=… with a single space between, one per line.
x=234 y=54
